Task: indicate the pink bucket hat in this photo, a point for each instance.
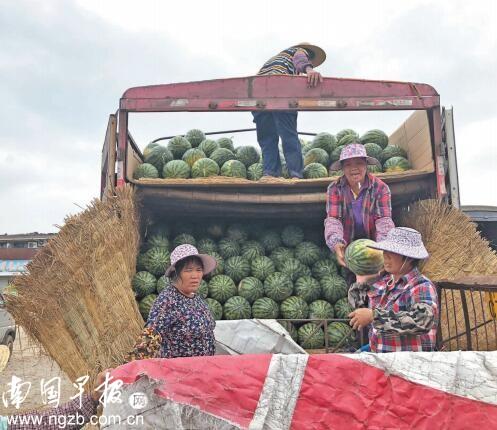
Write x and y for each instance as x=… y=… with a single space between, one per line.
x=184 y=251
x=354 y=150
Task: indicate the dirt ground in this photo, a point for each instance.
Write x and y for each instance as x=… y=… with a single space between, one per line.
x=27 y=363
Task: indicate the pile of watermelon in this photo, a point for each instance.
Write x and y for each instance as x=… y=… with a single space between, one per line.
x=195 y=156
x=264 y=271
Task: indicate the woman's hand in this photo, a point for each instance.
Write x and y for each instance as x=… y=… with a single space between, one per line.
x=340 y=253
x=361 y=318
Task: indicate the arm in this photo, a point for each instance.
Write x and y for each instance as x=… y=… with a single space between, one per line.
x=419 y=319
x=333 y=227
x=383 y=213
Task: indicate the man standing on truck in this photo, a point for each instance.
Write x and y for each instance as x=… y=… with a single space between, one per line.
x=296 y=60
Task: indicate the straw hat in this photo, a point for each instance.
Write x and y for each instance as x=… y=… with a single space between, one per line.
x=403 y=241
x=184 y=251
x=4 y=356
x=317 y=54
x=354 y=150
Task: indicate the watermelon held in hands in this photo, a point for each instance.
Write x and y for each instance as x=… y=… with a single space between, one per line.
x=143 y=283
x=361 y=259
x=396 y=164
x=237 y=308
x=204 y=167
x=265 y=308
x=145 y=170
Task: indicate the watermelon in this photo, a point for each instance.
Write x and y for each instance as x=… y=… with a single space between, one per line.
x=262 y=267
x=321 y=310
x=281 y=254
x=307 y=253
x=206 y=245
x=215 y=307
x=392 y=151
x=157 y=241
x=317 y=155
x=374 y=169
x=237 y=268
x=340 y=333
x=311 y=336
x=361 y=259
x=336 y=173
x=145 y=170
x=204 y=167
x=193 y=155
x=221 y=288
x=292 y=235
x=176 y=169
x=237 y=232
x=183 y=239
x=396 y=164
x=290 y=328
x=178 y=146
x=162 y=283
x=294 y=308
x=237 y=308
x=149 y=147
x=247 y=155
x=156 y=260
x=251 y=288
x=347 y=140
x=323 y=268
x=278 y=286
x=203 y=289
x=324 y=141
x=215 y=230
x=375 y=136
x=345 y=132
x=306 y=148
x=265 y=308
x=146 y=304
x=373 y=150
x=226 y=143
x=195 y=137
x=221 y=155
x=308 y=288
x=292 y=267
x=208 y=146
x=342 y=308
x=234 y=169
x=315 y=171
x=252 y=249
x=335 y=155
x=255 y=172
x=333 y=287
x=159 y=157
x=228 y=248
x=270 y=240
x=143 y=283
x=220 y=264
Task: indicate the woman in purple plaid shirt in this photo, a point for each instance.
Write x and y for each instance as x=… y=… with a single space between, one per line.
x=358 y=205
x=400 y=306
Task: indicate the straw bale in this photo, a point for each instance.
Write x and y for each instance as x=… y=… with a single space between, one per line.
x=456 y=250
x=76 y=300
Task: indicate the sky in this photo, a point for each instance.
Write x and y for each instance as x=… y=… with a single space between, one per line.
x=65 y=64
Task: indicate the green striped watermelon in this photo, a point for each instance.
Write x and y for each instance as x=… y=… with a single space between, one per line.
x=226 y=143
x=203 y=289
x=317 y=155
x=290 y=328
x=221 y=155
x=396 y=164
x=307 y=252
x=234 y=169
x=195 y=137
x=333 y=287
x=342 y=308
x=311 y=336
x=392 y=151
x=206 y=246
x=237 y=232
x=265 y=308
x=178 y=146
x=162 y=283
x=252 y=249
x=323 y=268
x=308 y=288
x=372 y=168
x=281 y=254
x=143 y=283
x=348 y=139
x=193 y=155
x=292 y=267
x=340 y=333
x=219 y=270
x=294 y=307
x=247 y=155
x=158 y=157
x=208 y=147
x=251 y=288
x=157 y=241
x=325 y=141
x=237 y=308
x=228 y=248
x=156 y=260
x=149 y=147
x=255 y=172
x=262 y=267
x=335 y=155
x=176 y=169
x=145 y=170
x=361 y=259
x=321 y=309
x=270 y=240
x=204 y=167
x=237 y=268
x=183 y=239
x=336 y=173
x=315 y=171
x=345 y=132
x=215 y=307
x=145 y=305
x=375 y=136
x=221 y=288
x=278 y=286
x=292 y=235
x=373 y=150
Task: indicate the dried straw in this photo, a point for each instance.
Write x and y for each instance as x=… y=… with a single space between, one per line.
x=76 y=300
x=456 y=250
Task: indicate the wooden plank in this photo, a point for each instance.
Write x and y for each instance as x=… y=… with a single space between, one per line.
x=467 y=282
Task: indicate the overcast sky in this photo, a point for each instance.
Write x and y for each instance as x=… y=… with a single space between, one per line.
x=64 y=65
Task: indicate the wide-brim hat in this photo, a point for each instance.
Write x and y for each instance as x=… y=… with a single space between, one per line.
x=317 y=54
x=354 y=150
x=4 y=356
x=403 y=241
x=184 y=251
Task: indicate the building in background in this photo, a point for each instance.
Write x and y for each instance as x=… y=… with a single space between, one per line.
x=16 y=251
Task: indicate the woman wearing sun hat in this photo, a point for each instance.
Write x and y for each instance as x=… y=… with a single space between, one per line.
x=401 y=305
x=358 y=204
x=180 y=323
